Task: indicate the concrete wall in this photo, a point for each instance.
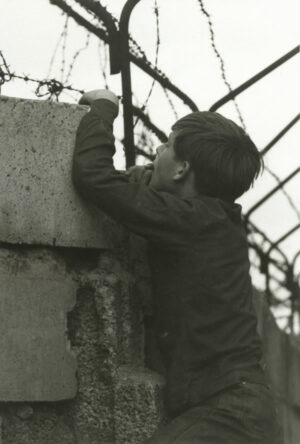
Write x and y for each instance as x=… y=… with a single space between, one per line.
x=74 y=291
x=71 y=325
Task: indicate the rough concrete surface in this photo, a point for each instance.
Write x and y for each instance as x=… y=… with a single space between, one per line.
x=275 y=346
x=48 y=424
x=293 y=364
x=39 y=204
x=139 y=407
x=36 y=361
x=104 y=329
x=106 y=332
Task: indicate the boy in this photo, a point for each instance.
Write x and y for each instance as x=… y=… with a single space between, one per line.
x=204 y=321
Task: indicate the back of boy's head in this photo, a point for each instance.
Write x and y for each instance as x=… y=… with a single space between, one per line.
x=222 y=156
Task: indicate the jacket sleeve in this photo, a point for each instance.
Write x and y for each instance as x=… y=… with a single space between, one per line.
x=158 y=216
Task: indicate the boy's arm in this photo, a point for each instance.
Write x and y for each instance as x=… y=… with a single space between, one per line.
x=145 y=211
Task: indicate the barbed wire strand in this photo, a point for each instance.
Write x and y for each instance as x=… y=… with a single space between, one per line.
x=156 y=12
x=220 y=59
x=135 y=48
x=54 y=53
x=63 y=49
x=76 y=55
x=286 y=194
x=224 y=76
x=48 y=88
x=172 y=106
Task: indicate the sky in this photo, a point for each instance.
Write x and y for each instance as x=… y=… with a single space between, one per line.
x=249 y=34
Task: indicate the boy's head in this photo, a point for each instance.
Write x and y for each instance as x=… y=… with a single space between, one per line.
x=209 y=152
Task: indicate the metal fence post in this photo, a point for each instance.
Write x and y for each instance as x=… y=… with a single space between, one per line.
x=126 y=83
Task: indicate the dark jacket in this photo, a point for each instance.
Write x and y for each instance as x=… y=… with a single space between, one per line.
x=204 y=319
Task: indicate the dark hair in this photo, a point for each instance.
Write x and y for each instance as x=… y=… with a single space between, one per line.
x=223 y=157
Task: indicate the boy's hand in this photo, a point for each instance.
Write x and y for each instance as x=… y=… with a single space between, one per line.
x=140 y=174
x=89 y=97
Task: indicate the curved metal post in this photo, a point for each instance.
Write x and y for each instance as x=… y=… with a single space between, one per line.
x=126 y=82
x=235 y=92
x=259 y=231
x=273 y=191
x=113 y=34
x=291 y=285
x=295 y=259
x=296 y=277
x=280 y=135
x=164 y=82
x=284 y=237
x=140 y=62
x=150 y=125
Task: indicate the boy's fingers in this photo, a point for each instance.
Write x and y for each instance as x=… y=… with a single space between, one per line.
x=90 y=96
x=83 y=101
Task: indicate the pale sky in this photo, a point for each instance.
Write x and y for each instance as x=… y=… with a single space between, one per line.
x=250 y=34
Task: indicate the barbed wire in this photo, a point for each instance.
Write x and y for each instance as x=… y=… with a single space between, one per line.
x=63 y=38
x=48 y=88
x=286 y=194
x=172 y=106
x=145 y=139
x=224 y=77
x=289 y=199
x=63 y=49
x=136 y=49
x=54 y=53
x=220 y=59
x=156 y=12
x=76 y=55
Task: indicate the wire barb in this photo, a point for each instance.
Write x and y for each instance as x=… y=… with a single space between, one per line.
x=287 y=196
x=156 y=12
x=76 y=55
x=224 y=77
x=5 y=74
x=63 y=50
x=220 y=58
x=48 y=88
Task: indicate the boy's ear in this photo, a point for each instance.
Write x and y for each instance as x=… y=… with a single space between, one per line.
x=182 y=170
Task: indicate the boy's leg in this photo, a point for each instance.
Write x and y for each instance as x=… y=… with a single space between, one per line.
x=242 y=414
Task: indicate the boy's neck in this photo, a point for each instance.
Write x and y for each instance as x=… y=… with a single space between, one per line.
x=186 y=189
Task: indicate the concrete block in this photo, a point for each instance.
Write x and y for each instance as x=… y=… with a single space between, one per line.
x=291 y=424
x=138 y=404
x=38 y=204
x=47 y=425
x=36 y=361
x=275 y=348
x=294 y=373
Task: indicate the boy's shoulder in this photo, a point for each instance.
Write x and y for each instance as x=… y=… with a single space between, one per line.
x=216 y=209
